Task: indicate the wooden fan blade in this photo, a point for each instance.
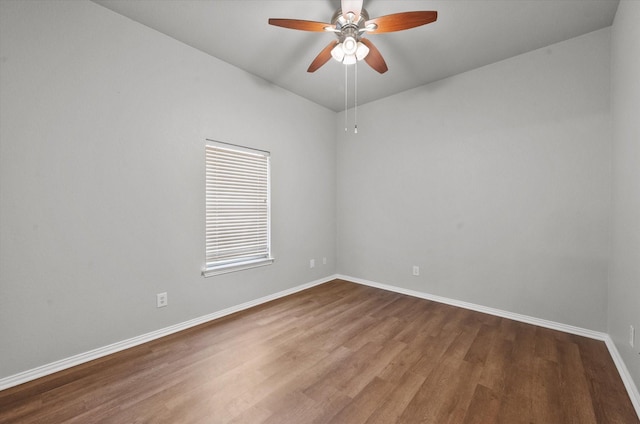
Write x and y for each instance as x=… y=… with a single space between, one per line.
x=323 y=57
x=401 y=21
x=353 y=6
x=374 y=58
x=300 y=24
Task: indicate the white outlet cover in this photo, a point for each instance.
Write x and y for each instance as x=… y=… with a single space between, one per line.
x=632 y=335
x=162 y=300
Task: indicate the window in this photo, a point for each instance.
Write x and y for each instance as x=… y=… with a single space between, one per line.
x=237 y=208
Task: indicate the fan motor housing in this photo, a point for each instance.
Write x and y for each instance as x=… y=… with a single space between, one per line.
x=347 y=28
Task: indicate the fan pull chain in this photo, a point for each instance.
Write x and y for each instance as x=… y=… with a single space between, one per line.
x=346 y=99
x=346 y=81
x=355 y=97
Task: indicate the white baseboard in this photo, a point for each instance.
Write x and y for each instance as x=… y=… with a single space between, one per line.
x=53 y=367
x=484 y=309
x=629 y=384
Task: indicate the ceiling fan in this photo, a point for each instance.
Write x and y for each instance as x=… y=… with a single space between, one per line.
x=350 y=23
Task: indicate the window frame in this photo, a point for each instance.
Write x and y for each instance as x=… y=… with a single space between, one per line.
x=241 y=262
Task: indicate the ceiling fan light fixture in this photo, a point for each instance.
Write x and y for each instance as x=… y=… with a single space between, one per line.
x=337 y=53
x=351 y=55
x=349 y=46
x=362 y=51
x=349 y=59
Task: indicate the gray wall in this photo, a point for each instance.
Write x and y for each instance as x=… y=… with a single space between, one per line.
x=495 y=182
x=102 y=130
x=624 y=284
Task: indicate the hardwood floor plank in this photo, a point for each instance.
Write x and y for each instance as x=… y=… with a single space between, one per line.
x=547 y=344
x=605 y=387
x=365 y=402
x=416 y=350
x=576 y=399
x=253 y=415
x=380 y=331
x=339 y=353
x=392 y=407
x=454 y=409
x=437 y=397
x=367 y=368
x=496 y=367
x=290 y=407
x=484 y=406
x=479 y=349
x=341 y=374
x=432 y=354
x=546 y=393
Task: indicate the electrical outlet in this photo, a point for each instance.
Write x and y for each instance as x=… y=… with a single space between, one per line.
x=312 y=263
x=162 y=300
x=632 y=335
x=416 y=270
x=324 y=261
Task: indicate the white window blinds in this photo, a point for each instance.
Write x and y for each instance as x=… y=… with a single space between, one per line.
x=237 y=208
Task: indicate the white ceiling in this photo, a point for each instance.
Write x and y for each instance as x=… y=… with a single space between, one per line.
x=468 y=34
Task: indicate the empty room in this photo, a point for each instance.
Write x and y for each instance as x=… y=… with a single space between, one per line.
x=327 y=211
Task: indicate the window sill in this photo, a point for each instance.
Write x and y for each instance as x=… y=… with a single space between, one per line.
x=224 y=269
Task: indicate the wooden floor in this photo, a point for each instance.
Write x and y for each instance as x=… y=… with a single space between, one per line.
x=340 y=353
